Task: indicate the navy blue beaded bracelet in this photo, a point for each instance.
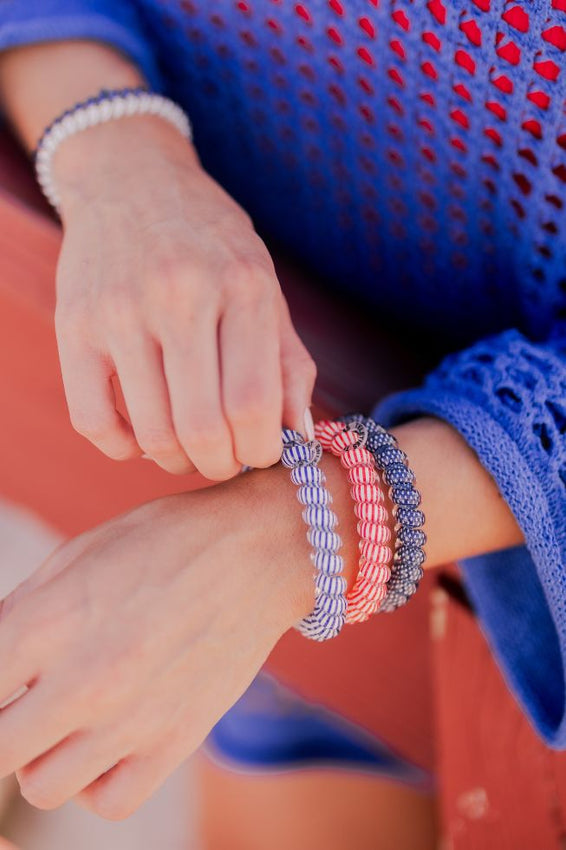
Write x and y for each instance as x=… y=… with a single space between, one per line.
x=409 y=554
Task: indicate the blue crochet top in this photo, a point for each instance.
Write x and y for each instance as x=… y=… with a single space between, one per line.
x=415 y=154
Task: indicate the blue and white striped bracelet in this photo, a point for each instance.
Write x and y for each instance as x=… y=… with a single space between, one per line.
x=302 y=458
x=409 y=553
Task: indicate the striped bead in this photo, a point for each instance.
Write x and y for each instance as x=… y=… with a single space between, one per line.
x=371 y=512
x=378 y=573
x=307 y=475
x=367 y=493
x=319 y=516
x=333 y=605
x=321 y=539
x=326 y=430
x=366 y=589
x=372 y=531
x=327 y=562
x=344 y=440
x=357 y=457
x=375 y=552
x=362 y=475
x=295 y=455
x=330 y=585
x=313 y=495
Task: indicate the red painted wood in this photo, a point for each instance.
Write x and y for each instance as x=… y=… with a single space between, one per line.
x=501 y=788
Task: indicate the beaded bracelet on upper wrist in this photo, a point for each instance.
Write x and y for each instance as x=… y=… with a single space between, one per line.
x=410 y=538
x=107 y=105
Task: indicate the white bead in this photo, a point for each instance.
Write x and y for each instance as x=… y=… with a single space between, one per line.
x=105 y=109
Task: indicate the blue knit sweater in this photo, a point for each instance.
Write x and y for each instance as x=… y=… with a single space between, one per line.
x=414 y=154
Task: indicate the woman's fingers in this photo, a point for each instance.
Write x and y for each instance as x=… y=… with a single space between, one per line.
x=121 y=791
x=64 y=771
x=191 y=364
x=251 y=380
x=140 y=370
x=299 y=375
x=87 y=378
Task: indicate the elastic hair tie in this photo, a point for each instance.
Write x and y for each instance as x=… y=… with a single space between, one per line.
x=410 y=539
x=370 y=587
x=302 y=458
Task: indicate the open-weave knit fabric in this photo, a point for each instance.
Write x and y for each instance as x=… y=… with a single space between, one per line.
x=414 y=153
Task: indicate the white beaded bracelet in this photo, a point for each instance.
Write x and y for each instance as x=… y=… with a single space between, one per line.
x=106 y=106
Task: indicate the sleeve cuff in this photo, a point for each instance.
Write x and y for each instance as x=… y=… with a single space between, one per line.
x=519 y=594
x=92 y=26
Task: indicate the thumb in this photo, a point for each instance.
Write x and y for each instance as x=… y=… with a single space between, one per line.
x=298 y=376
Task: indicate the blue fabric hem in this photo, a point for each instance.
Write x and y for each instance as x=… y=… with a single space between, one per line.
x=519 y=592
x=92 y=27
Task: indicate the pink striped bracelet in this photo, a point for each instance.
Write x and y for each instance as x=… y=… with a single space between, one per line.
x=347 y=443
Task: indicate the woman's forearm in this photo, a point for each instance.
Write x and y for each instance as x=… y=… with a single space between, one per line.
x=38 y=82
x=465 y=513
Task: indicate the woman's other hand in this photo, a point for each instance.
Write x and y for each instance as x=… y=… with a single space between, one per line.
x=163 y=282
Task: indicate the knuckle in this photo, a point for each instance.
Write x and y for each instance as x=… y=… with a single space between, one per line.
x=97 y=430
x=158 y=442
x=250 y=281
x=120 y=312
x=252 y=404
x=205 y=437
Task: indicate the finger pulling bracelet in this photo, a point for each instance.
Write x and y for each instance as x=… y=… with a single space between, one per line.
x=107 y=105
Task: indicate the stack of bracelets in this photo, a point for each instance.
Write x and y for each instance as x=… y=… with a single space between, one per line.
x=374 y=463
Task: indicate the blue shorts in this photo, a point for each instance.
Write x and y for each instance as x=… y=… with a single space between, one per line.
x=272 y=729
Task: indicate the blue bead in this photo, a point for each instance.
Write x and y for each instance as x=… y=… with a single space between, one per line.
x=398 y=473
x=321 y=539
x=307 y=475
x=319 y=516
x=328 y=562
x=405 y=495
x=409 y=516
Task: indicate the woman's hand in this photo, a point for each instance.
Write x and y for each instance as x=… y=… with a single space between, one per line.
x=137 y=636
x=163 y=282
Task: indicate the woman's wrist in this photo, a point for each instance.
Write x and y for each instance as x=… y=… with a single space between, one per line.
x=116 y=154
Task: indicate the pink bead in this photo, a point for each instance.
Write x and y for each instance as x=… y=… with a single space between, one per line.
x=375 y=552
x=325 y=431
x=366 y=589
x=371 y=512
x=376 y=573
x=367 y=493
x=362 y=475
x=375 y=532
x=357 y=457
x=344 y=440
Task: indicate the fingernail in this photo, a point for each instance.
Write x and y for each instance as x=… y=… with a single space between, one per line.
x=309 y=424
x=147 y=457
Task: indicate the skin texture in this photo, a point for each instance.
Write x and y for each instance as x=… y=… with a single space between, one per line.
x=136 y=637
x=163 y=283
